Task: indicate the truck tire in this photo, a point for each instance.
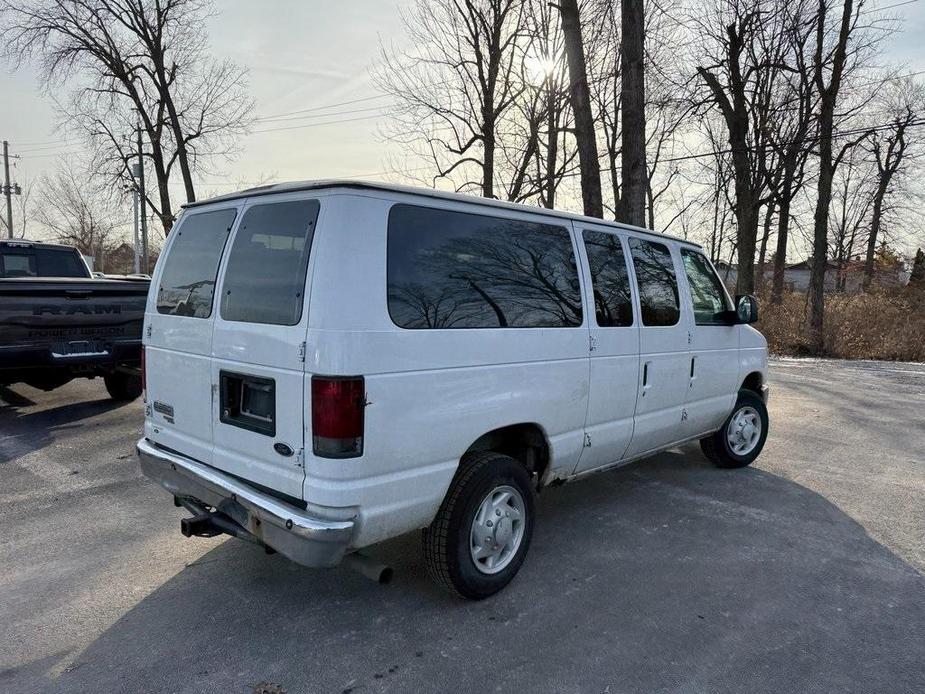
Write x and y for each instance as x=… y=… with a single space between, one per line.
x=742 y=435
x=123 y=386
x=481 y=534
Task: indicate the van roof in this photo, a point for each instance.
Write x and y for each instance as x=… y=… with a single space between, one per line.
x=295 y=186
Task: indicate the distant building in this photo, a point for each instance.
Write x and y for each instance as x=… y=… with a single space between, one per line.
x=850 y=279
x=121 y=260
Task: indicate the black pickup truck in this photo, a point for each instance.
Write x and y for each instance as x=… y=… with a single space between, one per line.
x=58 y=323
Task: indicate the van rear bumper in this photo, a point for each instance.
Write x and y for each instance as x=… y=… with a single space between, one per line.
x=303 y=538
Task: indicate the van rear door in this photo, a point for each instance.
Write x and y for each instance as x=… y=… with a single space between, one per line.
x=258 y=346
x=178 y=340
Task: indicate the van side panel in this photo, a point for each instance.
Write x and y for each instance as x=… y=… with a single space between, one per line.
x=431 y=393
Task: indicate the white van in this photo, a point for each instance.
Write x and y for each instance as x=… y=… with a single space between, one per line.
x=332 y=364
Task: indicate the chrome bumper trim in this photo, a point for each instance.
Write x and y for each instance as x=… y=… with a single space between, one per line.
x=303 y=538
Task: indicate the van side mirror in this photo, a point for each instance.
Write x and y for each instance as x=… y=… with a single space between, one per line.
x=746 y=309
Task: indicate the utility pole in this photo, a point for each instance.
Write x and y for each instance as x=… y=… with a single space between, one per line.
x=142 y=205
x=8 y=189
x=136 y=238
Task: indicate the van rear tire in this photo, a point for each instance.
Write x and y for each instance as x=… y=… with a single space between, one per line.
x=490 y=500
x=122 y=386
x=738 y=443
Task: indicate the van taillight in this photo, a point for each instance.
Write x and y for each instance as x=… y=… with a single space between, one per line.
x=337 y=416
x=144 y=379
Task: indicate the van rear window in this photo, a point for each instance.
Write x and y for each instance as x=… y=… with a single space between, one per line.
x=191 y=266
x=450 y=269
x=265 y=278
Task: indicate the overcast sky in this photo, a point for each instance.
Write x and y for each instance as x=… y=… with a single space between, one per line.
x=304 y=54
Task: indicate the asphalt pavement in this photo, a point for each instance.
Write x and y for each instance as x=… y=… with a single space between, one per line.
x=803 y=573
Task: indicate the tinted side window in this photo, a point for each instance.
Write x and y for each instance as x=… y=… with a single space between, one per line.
x=613 y=303
x=188 y=278
x=459 y=270
x=707 y=293
x=265 y=278
x=658 y=286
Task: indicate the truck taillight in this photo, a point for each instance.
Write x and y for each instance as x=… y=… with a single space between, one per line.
x=337 y=416
x=144 y=379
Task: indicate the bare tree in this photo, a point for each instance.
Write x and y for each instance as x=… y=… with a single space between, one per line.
x=889 y=149
x=854 y=189
x=532 y=137
x=789 y=131
x=740 y=83
x=829 y=63
x=78 y=214
x=585 y=137
x=135 y=59
x=456 y=84
x=546 y=57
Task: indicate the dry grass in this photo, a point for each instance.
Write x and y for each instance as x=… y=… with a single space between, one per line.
x=886 y=324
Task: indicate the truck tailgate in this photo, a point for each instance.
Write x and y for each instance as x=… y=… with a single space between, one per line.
x=51 y=321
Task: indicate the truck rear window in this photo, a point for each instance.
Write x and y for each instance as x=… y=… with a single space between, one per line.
x=265 y=278
x=191 y=266
x=41 y=262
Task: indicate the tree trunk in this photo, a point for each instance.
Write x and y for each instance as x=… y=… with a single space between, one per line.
x=762 y=253
x=735 y=113
x=828 y=96
x=488 y=159
x=780 y=254
x=821 y=233
x=746 y=240
x=182 y=154
x=552 y=145
x=632 y=204
x=581 y=105
x=160 y=175
x=875 y=222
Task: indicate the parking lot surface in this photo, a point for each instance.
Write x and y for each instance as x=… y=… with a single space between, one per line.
x=803 y=573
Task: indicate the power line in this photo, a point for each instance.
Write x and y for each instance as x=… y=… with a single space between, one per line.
x=322 y=108
x=42 y=142
x=890 y=7
x=319 y=115
x=52 y=154
x=312 y=125
x=46 y=148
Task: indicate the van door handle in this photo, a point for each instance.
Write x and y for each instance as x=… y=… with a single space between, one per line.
x=645 y=378
x=693 y=366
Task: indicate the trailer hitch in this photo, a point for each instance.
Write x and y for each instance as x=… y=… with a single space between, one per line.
x=207 y=522
x=201 y=525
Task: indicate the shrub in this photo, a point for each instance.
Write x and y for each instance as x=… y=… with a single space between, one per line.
x=883 y=324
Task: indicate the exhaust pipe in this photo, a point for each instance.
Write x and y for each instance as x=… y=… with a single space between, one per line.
x=369 y=567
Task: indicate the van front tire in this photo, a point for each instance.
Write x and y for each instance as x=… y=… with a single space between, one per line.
x=481 y=534
x=122 y=386
x=742 y=436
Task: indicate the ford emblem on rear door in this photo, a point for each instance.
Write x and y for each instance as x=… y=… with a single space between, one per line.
x=282 y=449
